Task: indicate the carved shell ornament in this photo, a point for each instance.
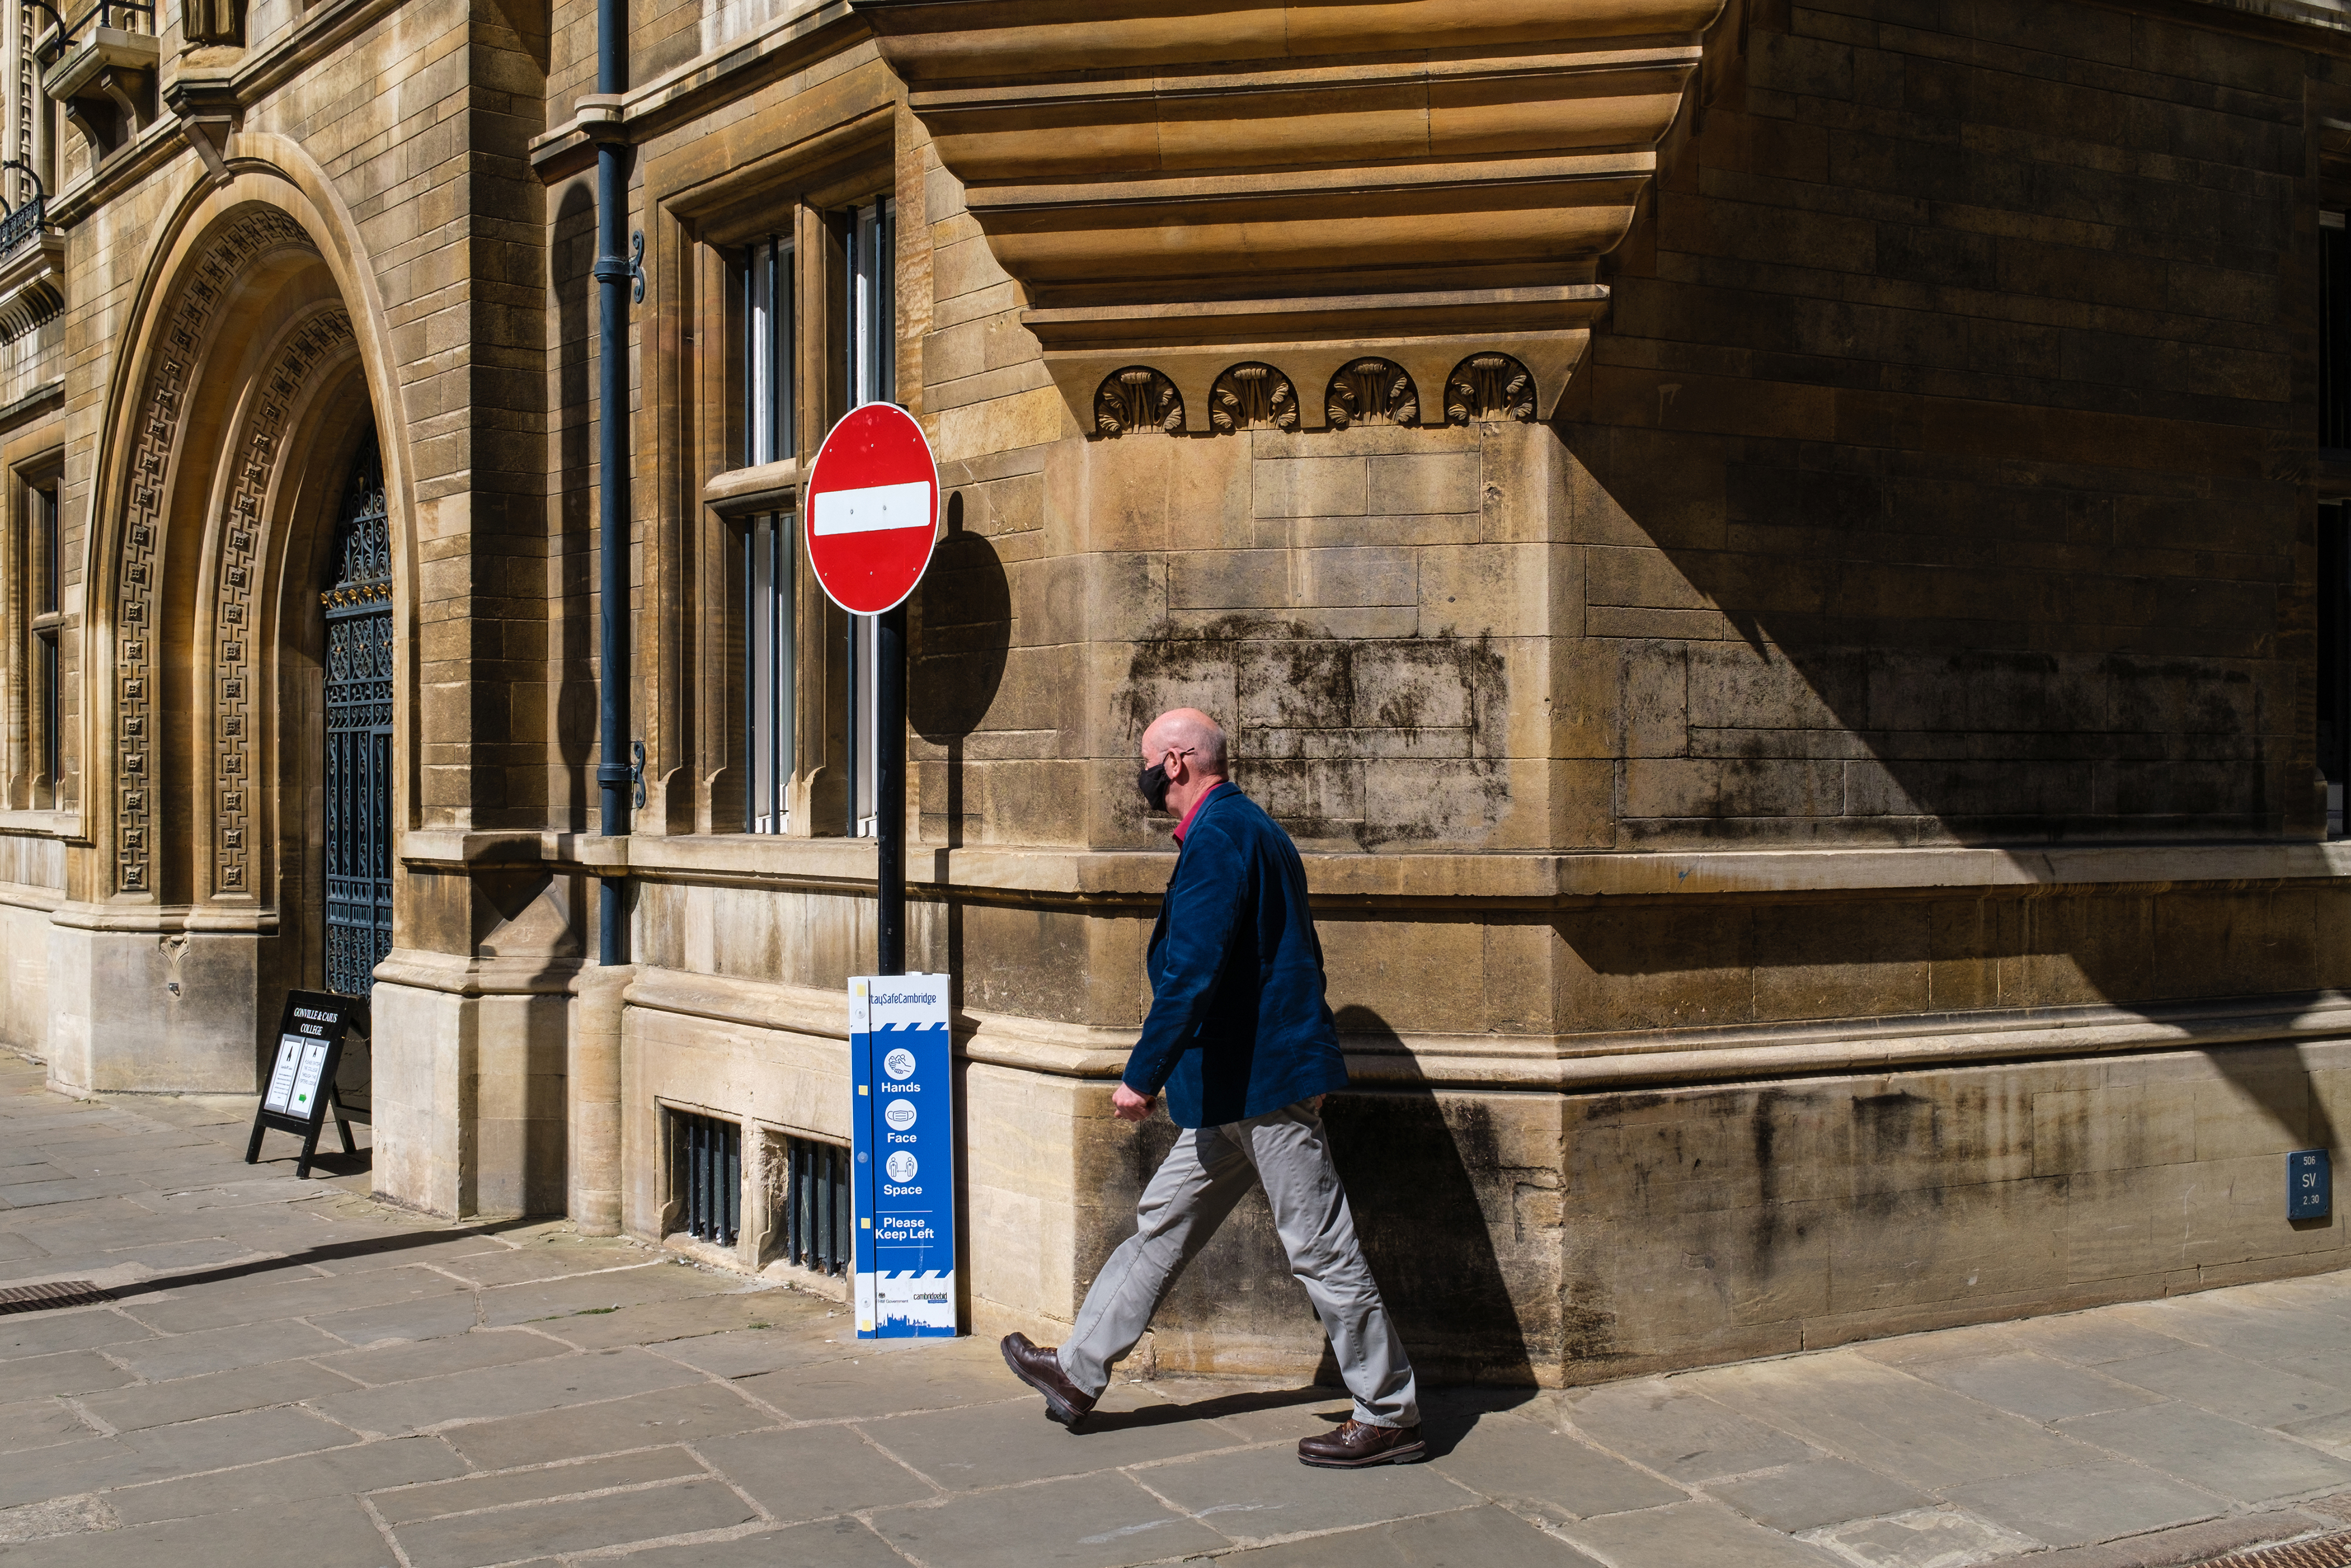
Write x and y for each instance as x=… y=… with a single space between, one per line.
x=1489 y=387
x=1372 y=391
x=1137 y=398
x=1253 y=396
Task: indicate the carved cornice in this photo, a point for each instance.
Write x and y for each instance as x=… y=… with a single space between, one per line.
x=33 y=286
x=1189 y=188
x=1372 y=391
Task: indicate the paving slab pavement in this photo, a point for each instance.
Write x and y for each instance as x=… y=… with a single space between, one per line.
x=292 y=1373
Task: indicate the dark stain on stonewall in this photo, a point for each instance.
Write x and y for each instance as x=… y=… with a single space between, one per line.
x=1348 y=743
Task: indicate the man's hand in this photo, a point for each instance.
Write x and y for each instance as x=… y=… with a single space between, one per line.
x=1131 y=1106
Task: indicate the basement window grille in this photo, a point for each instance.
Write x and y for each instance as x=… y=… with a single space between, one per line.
x=2322 y=1552
x=52 y=1294
x=706 y=1180
x=816 y=1206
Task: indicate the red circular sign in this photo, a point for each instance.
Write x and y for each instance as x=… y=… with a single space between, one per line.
x=873 y=508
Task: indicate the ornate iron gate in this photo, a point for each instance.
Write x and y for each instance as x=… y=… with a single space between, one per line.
x=359 y=734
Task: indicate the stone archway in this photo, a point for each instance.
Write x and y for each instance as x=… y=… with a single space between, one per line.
x=235 y=439
x=172 y=385
x=268 y=547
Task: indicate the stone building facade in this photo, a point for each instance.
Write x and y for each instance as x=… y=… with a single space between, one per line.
x=1779 y=562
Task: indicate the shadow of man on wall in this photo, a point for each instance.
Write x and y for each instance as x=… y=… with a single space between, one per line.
x=960 y=640
x=1413 y=1166
x=1412 y=1162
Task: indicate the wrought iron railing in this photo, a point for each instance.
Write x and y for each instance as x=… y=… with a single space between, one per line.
x=23 y=226
x=55 y=20
x=121 y=15
x=127 y=16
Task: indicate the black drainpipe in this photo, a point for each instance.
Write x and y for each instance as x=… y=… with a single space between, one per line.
x=613 y=272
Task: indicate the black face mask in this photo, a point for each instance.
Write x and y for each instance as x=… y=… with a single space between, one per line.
x=1152 y=783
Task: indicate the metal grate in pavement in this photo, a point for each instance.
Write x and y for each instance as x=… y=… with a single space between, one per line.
x=2324 y=1552
x=69 y=1293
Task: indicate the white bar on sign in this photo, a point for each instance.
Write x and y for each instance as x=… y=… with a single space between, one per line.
x=874 y=508
x=306 y=1077
x=281 y=1078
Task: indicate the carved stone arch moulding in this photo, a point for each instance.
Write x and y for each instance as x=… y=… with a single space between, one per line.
x=1372 y=391
x=1253 y=396
x=1137 y=398
x=1489 y=387
x=244 y=538
x=163 y=407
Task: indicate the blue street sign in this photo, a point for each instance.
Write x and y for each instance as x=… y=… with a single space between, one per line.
x=2309 y=1184
x=903 y=1125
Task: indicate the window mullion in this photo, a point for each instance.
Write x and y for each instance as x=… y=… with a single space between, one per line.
x=51 y=592
x=766 y=347
x=779 y=704
x=885 y=314
x=856 y=730
x=750 y=673
x=50 y=694
x=868 y=328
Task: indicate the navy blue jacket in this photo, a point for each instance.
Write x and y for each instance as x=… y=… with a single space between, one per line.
x=1238 y=1027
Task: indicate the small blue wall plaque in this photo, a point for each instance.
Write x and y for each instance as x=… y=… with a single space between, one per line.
x=2309 y=1184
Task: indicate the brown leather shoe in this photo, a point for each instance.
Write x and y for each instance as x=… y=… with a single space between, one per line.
x=1354 y=1445
x=1040 y=1369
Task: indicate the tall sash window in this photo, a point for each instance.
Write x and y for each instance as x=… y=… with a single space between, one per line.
x=848 y=349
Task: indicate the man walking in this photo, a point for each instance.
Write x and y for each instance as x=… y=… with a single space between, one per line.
x=1241 y=1039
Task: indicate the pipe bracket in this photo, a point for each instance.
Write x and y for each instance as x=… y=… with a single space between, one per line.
x=630 y=773
x=615 y=269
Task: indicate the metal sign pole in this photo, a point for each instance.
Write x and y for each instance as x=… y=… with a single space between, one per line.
x=873 y=508
x=890 y=789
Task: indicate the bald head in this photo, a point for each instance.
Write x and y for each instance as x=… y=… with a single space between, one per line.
x=1186 y=730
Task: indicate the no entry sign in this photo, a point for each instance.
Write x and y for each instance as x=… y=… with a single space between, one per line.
x=873 y=508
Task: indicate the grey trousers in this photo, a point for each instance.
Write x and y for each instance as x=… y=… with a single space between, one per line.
x=1204 y=1175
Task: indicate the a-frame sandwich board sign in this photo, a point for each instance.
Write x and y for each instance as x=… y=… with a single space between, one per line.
x=301 y=1089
